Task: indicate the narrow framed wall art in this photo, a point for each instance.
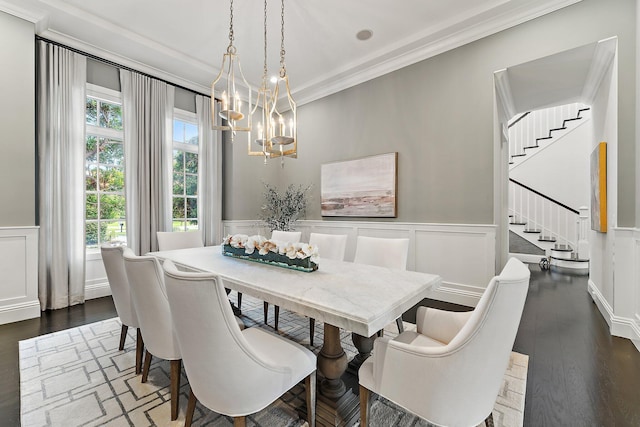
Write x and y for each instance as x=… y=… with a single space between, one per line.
x=599 y=188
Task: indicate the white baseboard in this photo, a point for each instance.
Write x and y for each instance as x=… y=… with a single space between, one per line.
x=618 y=326
x=96 y=290
x=528 y=258
x=20 y=311
x=457 y=293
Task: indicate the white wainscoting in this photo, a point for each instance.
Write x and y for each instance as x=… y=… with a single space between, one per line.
x=96 y=284
x=623 y=316
x=463 y=255
x=19 y=273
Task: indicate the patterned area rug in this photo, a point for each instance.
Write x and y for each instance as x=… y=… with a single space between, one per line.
x=78 y=377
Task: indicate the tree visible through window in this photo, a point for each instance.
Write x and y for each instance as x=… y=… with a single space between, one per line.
x=104 y=173
x=185 y=174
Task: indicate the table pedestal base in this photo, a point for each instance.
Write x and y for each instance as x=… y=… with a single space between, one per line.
x=338 y=413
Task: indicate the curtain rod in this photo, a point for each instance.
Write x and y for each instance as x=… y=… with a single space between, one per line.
x=115 y=64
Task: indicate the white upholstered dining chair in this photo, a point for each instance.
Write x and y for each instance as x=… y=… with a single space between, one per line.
x=171 y=240
x=450 y=370
x=285 y=237
x=152 y=308
x=330 y=246
x=383 y=252
x=232 y=372
x=113 y=259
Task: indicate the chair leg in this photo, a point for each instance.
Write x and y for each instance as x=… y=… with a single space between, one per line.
x=123 y=336
x=488 y=422
x=239 y=421
x=139 y=351
x=266 y=311
x=147 y=365
x=365 y=406
x=239 y=299
x=400 y=325
x=276 y=309
x=312 y=330
x=310 y=391
x=175 y=387
x=191 y=407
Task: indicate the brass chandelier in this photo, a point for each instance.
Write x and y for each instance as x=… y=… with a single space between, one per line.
x=277 y=128
x=262 y=108
x=232 y=107
x=284 y=120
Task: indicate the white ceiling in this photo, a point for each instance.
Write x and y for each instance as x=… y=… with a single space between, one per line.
x=183 y=41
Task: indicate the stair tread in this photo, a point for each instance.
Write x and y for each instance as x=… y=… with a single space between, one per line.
x=562 y=249
x=570 y=259
x=562 y=128
x=532 y=230
x=518 y=155
x=518 y=223
x=546 y=239
x=531 y=146
x=544 y=137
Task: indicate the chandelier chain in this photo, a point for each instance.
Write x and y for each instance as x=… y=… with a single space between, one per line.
x=231 y=48
x=265 y=41
x=283 y=68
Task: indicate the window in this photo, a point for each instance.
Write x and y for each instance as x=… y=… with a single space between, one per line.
x=104 y=169
x=185 y=171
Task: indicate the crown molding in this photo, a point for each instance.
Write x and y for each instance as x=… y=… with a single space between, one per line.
x=122 y=60
x=425 y=48
x=28 y=15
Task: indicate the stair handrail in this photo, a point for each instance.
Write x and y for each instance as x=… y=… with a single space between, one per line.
x=519 y=118
x=575 y=211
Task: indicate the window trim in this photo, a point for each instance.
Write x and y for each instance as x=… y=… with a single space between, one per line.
x=112 y=96
x=192 y=118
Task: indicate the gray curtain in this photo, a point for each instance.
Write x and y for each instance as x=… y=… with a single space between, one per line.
x=209 y=175
x=147 y=106
x=61 y=140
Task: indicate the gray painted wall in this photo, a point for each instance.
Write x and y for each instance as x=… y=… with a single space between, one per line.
x=102 y=74
x=17 y=122
x=438 y=116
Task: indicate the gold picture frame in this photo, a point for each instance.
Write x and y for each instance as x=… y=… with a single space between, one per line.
x=599 y=188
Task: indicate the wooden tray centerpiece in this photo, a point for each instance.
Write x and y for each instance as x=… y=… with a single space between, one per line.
x=296 y=256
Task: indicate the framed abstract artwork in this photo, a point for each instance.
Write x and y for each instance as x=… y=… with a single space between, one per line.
x=363 y=187
x=599 y=188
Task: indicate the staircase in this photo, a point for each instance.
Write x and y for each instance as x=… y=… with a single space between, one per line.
x=559 y=231
x=535 y=130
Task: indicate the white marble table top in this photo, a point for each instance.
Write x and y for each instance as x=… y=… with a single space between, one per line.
x=356 y=297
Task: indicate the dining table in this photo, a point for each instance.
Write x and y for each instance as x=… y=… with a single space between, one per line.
x=343 y=295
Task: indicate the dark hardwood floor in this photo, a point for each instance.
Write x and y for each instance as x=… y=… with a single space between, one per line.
x=579 y=375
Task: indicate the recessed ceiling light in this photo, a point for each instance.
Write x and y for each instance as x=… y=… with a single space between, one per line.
x=274 y=79
x=364 y=34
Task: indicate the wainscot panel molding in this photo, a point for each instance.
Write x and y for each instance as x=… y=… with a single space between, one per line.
x=463 y=254
x=623 y=317
x=19 y=273
x=96 y=284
